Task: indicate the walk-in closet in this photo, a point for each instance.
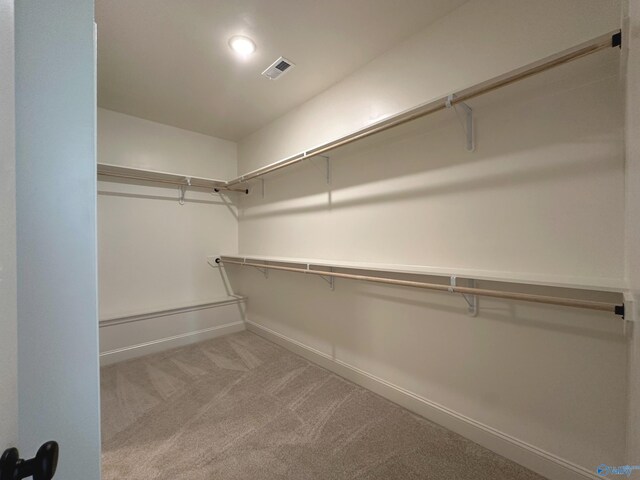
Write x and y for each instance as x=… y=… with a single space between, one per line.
x=346 y=240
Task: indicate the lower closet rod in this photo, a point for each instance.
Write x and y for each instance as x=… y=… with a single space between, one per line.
x=525 y=297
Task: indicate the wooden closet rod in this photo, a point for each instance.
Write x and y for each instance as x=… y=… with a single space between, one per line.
x=612 y=39
x=524 y=297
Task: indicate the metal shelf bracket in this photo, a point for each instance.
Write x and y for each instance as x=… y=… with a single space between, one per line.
x=327 y=278
x=265 y=270
x=468 y=125
x=328 y=167
x=183 y=190
x=472 y=300
x=330 y=280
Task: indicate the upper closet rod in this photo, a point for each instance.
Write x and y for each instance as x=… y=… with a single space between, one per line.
x=525 y=297
x=174 y=182
x=130 y=173
x=612 y=39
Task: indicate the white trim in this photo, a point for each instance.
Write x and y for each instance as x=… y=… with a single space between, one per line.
x=154 y=346
x=135 y=317
x=534 y=458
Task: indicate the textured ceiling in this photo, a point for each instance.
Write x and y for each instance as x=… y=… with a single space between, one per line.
x=168 y=60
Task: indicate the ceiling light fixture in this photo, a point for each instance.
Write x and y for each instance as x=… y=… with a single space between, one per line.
x=242 y=45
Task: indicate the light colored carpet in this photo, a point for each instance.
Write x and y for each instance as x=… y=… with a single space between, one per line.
x=240 y=407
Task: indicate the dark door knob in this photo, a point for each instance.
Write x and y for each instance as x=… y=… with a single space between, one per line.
x=41 y=467
x=46 y=461
x=8 y=462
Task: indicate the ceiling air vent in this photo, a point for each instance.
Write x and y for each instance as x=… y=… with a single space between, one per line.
x=278 y=68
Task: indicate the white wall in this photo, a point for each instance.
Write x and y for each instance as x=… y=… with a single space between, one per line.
x=134 y=142
x=8 y=338
x=543 y=194
x=58 y=387
x=152 y=250
x=417 y=197
x=632 y=35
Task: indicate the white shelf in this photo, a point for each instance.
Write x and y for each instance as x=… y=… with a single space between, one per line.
x=117 y=171
x=600 y=284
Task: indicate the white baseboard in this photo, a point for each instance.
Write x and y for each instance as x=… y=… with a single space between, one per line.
x=139 y=350
x=533 y=458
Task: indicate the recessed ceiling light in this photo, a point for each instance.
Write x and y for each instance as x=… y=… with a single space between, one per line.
x=242 y=45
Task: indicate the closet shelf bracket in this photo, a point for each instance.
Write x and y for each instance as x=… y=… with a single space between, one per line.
x=327 y=161
x=468 y=125
x=183 y=190
x=327 y=165
x=331 y=280
x=472 y=300
x=265 y=270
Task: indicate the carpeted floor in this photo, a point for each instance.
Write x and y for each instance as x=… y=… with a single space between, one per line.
x=240 y=407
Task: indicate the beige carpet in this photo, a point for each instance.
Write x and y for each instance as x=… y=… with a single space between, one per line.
x=240 y=407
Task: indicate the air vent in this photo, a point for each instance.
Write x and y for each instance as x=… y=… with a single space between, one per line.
x=278 y=68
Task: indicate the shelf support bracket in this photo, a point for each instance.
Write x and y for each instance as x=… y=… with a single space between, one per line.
x=469 y=124
x=472 y=300
x=329 y=279
x=183 y=190
x=328 y=166
x=264 y=271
